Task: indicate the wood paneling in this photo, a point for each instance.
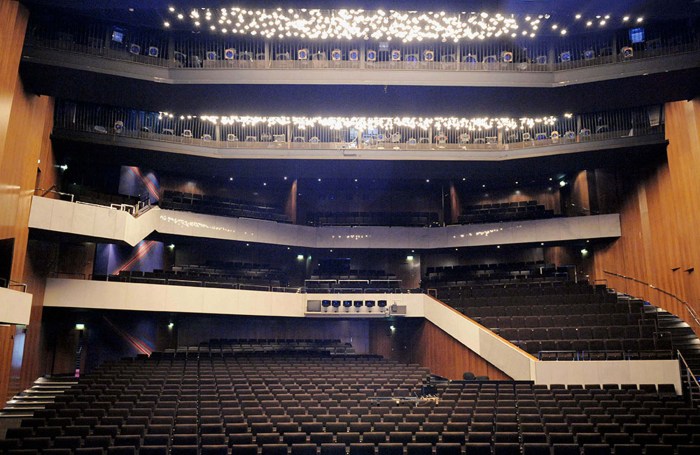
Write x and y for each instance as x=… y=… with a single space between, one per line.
x=422 y=342
x=25 y=146
x=659 y=218
x=7 y=333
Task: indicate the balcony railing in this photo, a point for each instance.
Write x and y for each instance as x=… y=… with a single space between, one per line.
x=207 y=52
x=316 y=134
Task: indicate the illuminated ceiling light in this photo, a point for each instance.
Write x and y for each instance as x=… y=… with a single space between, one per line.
x=166 y=24
x=625 y=19
x=563 y=31
x=602 y=23
x=171 y=9
x=578 y=16
x=555 y=26
x=180 y=16
x=589 y=23
x=607 y=17
x=640 y=19
x=354 y=24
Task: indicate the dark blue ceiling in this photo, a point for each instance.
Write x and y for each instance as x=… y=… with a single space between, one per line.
x=153 y=12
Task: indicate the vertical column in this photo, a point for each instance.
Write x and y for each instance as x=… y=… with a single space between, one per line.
x=290 y=208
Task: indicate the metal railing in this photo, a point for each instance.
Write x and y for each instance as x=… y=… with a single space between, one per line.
x=54 y=190
x=693 y=314
x=201 y=51
x=691 y=380
x=133 y=209
x=17 y=284
x=273 y=134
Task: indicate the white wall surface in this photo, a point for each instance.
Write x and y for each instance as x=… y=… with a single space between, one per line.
x=15 y=306
x=105 y=223
x=609 y=372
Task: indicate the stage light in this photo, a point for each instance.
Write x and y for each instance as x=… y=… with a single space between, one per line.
x=79 y=326
x=171 y=325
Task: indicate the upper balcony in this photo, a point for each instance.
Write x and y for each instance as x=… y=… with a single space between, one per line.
x=281 y=137
x=518 y=59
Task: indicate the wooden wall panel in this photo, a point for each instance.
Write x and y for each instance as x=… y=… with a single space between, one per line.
x=422 y=342
x=7 y=333
x=26 y=121
x=659 y=220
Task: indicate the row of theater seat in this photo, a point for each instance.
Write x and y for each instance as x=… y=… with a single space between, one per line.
x=213 y=205
x=412 y=219
x=278 y=404
x=488 y=290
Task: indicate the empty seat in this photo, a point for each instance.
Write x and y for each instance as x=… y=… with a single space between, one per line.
x=477 y=448
x=358 y=448
x=419 y=448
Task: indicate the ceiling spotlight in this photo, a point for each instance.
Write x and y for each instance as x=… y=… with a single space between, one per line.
x=563 y=31
x=640 y=19
x=555 y=26
x=602 y=23
x=166 y=24
x=171 y=9
x=625 y=19
x=589 y=23
x=578 y=16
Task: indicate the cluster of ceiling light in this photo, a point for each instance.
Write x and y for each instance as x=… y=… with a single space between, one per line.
x=601 y=20
x=379 y=123
x=354 y=24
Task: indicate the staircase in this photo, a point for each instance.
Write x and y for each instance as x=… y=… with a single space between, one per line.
x=42 y=392
x=683 y=338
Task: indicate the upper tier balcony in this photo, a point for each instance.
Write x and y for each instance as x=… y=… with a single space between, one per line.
x=184 y=58
x=359 y=138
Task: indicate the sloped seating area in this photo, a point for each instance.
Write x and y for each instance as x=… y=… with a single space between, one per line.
x=413 y=219
x=234 y=346
x=230 y=275
x=217 y=403
x=566 y=321
x=352 y=281
x=220 y=206
x=504 y=211
x=494 y=273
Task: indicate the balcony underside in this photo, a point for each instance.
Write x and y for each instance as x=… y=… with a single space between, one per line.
x=341 y=151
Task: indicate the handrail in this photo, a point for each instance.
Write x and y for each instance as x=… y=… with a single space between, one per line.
x=690 y=375
x=690 y=310
x=18 y=284
x=54 y=190
x=45 y=192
